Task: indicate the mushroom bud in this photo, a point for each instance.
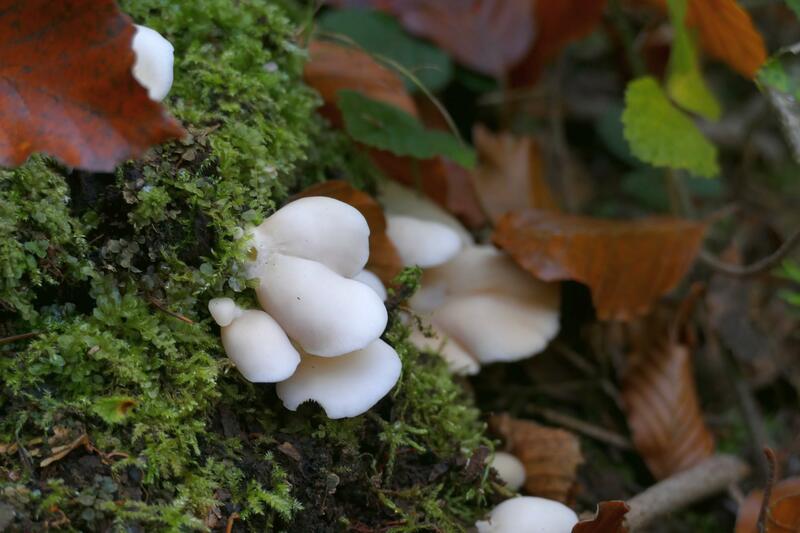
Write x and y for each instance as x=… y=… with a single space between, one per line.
x=254 y=342
x=154 y=62
x=420 y=242
x=372 y=281
x=509 y=469
x=528 y=514
x=344 y=386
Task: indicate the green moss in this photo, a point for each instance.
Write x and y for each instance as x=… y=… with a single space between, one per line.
x=113 y=274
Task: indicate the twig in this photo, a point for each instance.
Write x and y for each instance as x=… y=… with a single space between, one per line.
x=21 y=337
x=590 y=430
x=173 y=314
x=762 y=265
x=231 y=519
x=772 y=461
x=713 y=475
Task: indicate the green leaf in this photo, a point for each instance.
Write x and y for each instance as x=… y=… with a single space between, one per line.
x=685 y=83
x=381 y=35
x=386 y=127
x=795 y=6
x=113 y=409
x=662 y=135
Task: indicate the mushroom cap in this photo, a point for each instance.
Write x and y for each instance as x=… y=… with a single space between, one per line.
x=372 y=281
x=259 y=348
x=154 y=62
x=509 y=469
x=421 y=242
x=317 y=228
x=224 y=311
x=528 y=514
x=458 y=360
x=401 y=200
x=327 y=314
x=498 y=327
x=344 y=386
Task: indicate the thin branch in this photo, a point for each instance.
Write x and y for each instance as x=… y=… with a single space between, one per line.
x=711 y=476
x=596 y=432
x=773 y=468
x=21 y=337
x=760 y=266
x=173 y=314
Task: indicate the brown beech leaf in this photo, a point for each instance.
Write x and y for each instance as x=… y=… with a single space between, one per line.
x=558 y=24
x=487 y=35
x=510 y=175
x=333 y=67
x=551 y=456
x=627 y=265
x=659 y=395
x=66 y=86
x=384 y=260
x=784 y=509
x=610 y=518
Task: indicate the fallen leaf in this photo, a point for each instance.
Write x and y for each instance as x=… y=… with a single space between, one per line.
x=67 y=89
x=551 y=456
x=59 y=452
x=510 y=175
x=489 y=36
x=784 y=506
x=334 y=67
x=384 y=260
x=628 y=265
x=558 y=24
x=659 y=396
x=610 y=518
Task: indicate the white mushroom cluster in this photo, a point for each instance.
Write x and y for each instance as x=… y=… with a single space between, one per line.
x=480 y=305
x=529 y=514
x=318 y=335
x=154 y=62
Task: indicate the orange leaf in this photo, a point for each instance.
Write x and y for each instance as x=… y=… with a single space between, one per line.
x=551 y=456
x=510 y=175
x=627 y=265
x=728 y=34
x=784 y=509
x=660 y=400
x=487 y=35
x=66 y=86
x=384 y=260
x=610 y=518
x=558 y=24
x=333 y=67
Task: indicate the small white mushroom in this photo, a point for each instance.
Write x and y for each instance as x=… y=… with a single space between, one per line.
x=154 y=62
x=458 y=360
x=254 y=342
x=327 y=314
x=344 y=386
x=420 y=242
x=372 y=281
x=528 y=514
x=509 y=469
x=317 y=228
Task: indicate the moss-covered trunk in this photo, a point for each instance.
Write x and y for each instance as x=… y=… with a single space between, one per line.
x=107 y=278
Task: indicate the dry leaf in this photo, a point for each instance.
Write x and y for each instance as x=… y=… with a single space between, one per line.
x=558 y=24
x=551 y=456
x=627 y=265
x=67 y=87
x=487 y=35
x=384 y=260
x=59 y=452
x=659 y=395
x=784 y=506
x=610 y=518
x=333 y=67
x=510 y=175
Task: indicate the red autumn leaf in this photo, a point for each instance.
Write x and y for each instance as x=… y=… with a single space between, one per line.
x=510 y=175
x=333 y=67
x=610 y=518
x=384 y=260
x=66 y=86
x=659 y=395
x=558 y=24
x=627 y=265
x=489 y=36
x=784 y=509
